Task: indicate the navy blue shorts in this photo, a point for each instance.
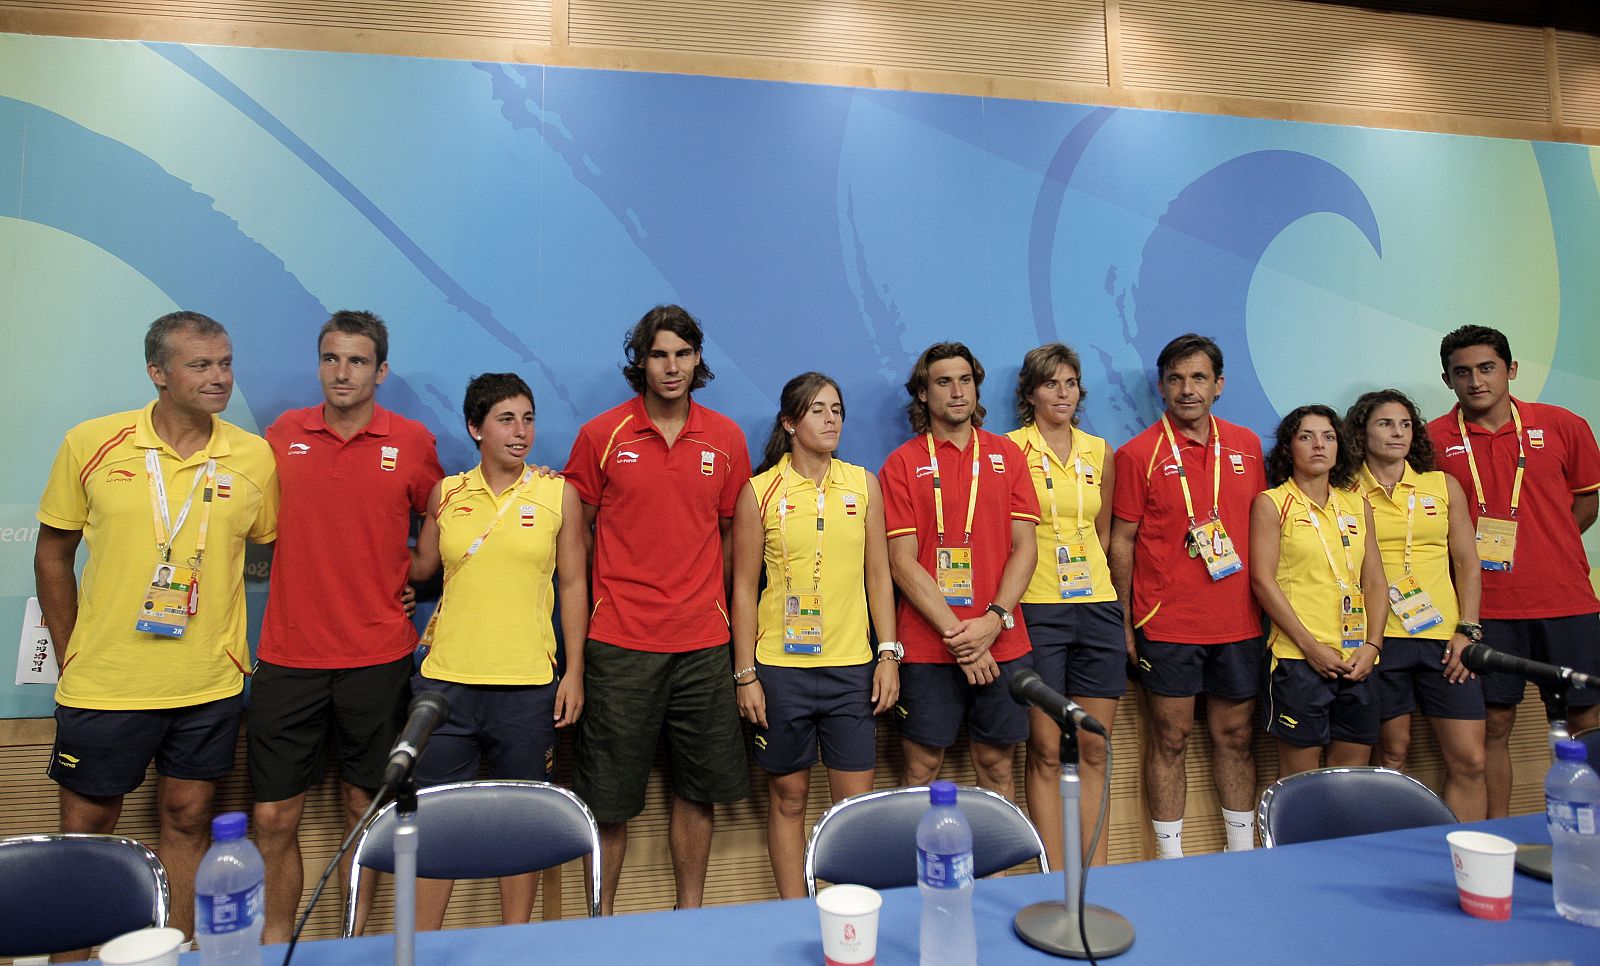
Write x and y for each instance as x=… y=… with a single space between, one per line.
x=1231 y=671
x=1078 y=648
x=1410 y=673
x=1565 y=641
x=511 y=725
x=106 y=753
x=1308 y=710
x=935 y=699
x=833 y=704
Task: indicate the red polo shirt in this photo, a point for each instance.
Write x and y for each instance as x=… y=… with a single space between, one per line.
x=342 y=558
x=1174 y=599
x=1005 y=493
x=1549 y=576
x=657 y=537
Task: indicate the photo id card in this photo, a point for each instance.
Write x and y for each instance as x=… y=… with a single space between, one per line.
x=1210 y=541
x=166 y=607
x=1353 y=621
x=802 y=624
x=953 y=571
x=1497 y=543
x=1072 y=570
x=1413 y=606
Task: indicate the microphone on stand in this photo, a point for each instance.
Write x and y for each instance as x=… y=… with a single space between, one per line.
x=1482 y=658
x=428 y=711
x=1027 y=687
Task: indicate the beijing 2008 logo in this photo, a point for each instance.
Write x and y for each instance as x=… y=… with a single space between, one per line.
x=849 y=932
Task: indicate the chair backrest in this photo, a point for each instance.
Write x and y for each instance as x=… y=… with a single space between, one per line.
x=1591 y=741
x=484 y=829
x=66 y=891
x=871 y=839
x=1331 y=803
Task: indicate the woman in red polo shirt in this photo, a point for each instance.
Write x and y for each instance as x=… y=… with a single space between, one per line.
x=804 y=665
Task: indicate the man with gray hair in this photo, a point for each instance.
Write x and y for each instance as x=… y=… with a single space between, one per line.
x=147 y=672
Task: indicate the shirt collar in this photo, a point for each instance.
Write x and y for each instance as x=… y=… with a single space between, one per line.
x=1477 y=430
x=316 y=421
x=145 y=437
x=1370 y=484
x=796 y=481
x=693 y=424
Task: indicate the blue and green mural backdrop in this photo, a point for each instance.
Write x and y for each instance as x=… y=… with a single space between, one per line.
x=520 y=217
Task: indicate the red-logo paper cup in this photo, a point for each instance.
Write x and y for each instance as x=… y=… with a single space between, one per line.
x=1485 y=866
x=849 y=924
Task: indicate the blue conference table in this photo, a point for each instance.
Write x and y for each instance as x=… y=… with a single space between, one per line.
x=1371 y=899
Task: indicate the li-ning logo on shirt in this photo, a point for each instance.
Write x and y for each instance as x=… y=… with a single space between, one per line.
x=924 y=471
x=627 y=456
x=1454 y=450
x=1171 y=469
x=299 y=449
x=119 y=476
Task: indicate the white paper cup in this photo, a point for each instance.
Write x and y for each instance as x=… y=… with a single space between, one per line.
x=144 y=947
x=849 y=924
x=1485 y=866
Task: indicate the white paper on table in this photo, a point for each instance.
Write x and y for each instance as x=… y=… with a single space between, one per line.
x=36 y=654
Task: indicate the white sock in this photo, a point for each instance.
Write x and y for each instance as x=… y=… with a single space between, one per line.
x=1241 y=828
x=1169 y=839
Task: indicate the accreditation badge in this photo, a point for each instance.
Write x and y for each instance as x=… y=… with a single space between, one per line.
x=1211 y=543
x=1072 y=570
x=1497 y=543
x=953 y=571
x=167 y=600
x=1352 y=621
x=1412 y=605
x=802 y=624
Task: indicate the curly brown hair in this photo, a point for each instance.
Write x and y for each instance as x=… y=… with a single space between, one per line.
x=1420 y=456
x=1280 y=461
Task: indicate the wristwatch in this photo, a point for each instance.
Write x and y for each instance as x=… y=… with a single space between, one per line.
x=1472 y=632
x=1006 y=620
x=891 y=651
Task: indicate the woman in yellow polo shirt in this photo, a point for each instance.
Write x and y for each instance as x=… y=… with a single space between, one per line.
x=803 y=661
x=1430 y=556
x=1074 y=618
x=501 y=530
x=1316 y=571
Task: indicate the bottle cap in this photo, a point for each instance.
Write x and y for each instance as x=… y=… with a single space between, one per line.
x=1571 y=750
x=228 y=826
x=942 y=793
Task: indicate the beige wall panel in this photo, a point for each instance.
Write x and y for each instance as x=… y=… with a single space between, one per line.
x=1299 y=51
x=1578 y=57
x=526 y=20
x=1048 y=39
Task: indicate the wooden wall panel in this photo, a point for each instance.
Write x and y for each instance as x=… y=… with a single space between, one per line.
x=527 y=20
x=1299 y=51
x=1578 y=57
x=1047 y=39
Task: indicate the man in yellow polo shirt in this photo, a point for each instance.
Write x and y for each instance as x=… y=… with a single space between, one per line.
x=151 y=672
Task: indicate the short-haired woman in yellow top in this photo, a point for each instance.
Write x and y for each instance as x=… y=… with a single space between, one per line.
x=804 y=667
x=1430 y=556
x=1316 y=571
x=500 y=530
x=1074 y=618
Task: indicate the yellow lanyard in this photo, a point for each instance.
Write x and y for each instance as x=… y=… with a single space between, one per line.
x=1472 y=463
x=1183 y=479
x=504 y=505
x=166 y=529
x=783 y=536
x=1344 y=536
x=938 y=495
x=1050 y=483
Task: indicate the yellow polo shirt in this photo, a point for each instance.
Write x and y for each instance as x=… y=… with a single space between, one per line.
x=1303 y=570
x=1428 y=498
x=493 y=624
x=98 y=486
x=1088 y=462
x=844 y=548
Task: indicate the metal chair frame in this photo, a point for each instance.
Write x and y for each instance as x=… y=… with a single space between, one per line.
x=866 y=800
x=365 y=847
x=160 y=892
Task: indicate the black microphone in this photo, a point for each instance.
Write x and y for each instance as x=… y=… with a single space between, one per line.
x=428 y=711
x=1027 y=687
x=1482 y=658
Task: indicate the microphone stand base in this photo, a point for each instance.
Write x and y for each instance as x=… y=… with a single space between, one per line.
x=1052 y=927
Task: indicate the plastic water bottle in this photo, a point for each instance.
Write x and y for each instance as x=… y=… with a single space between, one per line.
x=1572 y=807
x=228 y=896
x=944 y=877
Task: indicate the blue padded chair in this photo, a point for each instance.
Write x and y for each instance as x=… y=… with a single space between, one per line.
x=1591 y=741
x=66 y=891
x=484 y=829
x=871 y=839
x=1331 y=803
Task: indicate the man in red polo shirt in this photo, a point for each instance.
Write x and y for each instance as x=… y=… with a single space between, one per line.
x=960 y=511
x=335 y=652
x=659 y=477
x=1180 y=531
x=1530 y=472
